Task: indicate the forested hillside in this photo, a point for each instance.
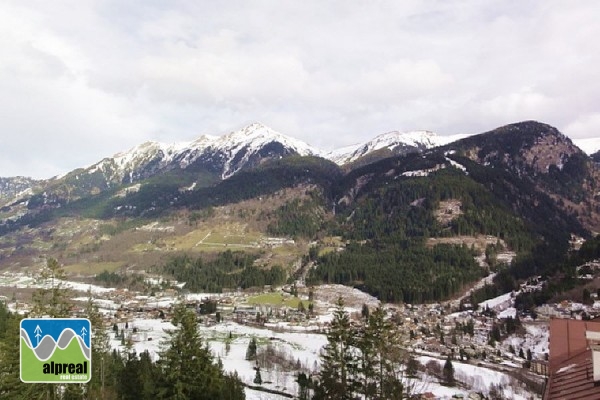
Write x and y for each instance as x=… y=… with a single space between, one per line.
x=382 y=226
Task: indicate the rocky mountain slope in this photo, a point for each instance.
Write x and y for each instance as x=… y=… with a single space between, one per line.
x=526 y=186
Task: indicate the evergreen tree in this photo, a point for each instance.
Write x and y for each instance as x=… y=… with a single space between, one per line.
x=257 y=378
x=448 y=372
x=412 y=367
x=337 y=381
x=11 y=386
x=130 y=384
x=98 y=385
x=303 y=386
x=251 y=350
x=385 y=358
x=53 y=301
x=365 y=311
x=187 y=368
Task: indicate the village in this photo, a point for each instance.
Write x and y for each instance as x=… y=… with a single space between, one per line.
x=507 y=351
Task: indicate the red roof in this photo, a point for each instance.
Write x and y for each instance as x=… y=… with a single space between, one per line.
x=570 y=363
x=574 y=380
x=567 y=338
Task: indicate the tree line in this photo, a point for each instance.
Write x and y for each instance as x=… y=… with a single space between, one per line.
x=227 y=270
x=363 y=360
x=185 y=370
x=402 y=272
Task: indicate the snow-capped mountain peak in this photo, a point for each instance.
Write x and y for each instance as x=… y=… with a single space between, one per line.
x=249 y=142
x=394 y=141
x=228 y=154
x=257 y=134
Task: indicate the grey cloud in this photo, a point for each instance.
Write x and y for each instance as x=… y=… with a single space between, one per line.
x=82 y=80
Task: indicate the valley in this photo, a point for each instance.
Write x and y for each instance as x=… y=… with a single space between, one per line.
x=455 y=253
x=290 y=337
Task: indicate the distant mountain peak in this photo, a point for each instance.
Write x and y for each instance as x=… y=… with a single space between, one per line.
x=395 y=141
x=242 y=145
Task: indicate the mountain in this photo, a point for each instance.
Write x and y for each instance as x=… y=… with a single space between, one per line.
x=224 y=155
x=522 y=188
x=389 y=144
x=11 y=188
x=541 y=156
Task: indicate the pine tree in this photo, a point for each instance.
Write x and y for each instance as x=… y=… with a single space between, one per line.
x=98 y=385
x=257 y=378
x=337 y=379
x=365 y=311
x=187 y=367
x=251 y=350
x=448 y=372
x=383 y=358
x=53 y=301
x=303 y=386
x=412 y=367
x=11 y=386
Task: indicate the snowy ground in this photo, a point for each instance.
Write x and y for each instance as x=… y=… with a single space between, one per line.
x=297 y=342
x=476 y=379
x=302 y=347
x=536 y=339
x=305 y=348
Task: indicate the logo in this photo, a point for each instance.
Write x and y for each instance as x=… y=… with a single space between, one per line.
x=56 y=350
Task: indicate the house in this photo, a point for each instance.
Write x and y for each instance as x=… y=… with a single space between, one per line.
x=574 y=362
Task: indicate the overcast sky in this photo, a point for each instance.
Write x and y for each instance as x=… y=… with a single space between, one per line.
x=81 y=80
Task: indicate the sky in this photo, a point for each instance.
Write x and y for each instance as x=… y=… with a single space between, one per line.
x=82 y=80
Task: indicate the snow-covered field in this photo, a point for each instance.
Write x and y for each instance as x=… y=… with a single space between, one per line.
x=536 y=339
x=301 y=347
x=478 y=379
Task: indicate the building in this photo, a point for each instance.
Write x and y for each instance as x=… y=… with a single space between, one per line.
x=574 y=362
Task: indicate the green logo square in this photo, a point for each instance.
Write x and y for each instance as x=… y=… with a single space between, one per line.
x=56 y=350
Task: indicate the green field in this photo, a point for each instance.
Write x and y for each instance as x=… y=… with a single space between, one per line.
x=32 y=369
x=277 y=299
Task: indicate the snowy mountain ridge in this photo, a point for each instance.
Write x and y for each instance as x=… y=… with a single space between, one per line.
x=397 y=142
x=229 y=153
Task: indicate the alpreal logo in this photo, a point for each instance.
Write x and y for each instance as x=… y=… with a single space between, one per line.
x=56 y=350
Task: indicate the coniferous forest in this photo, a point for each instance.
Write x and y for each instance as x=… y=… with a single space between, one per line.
x=186 y=368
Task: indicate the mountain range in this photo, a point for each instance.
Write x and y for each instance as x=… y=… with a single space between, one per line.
x=222 y=155
x=526 y=185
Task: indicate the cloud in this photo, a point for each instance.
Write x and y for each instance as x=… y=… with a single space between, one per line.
x=585 y=126
x=80 y=81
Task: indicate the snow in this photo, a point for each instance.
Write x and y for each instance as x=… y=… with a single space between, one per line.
x=510 y=312
x=390 y=140
x=478 y=379
x=565 y=369
x=422 y=139
x=304 y=347
x=251 y=139
x=536 y=339
x=246 y=141
x=256 y=395
x=499 y=303
x=457 y=165
x=21 y=281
